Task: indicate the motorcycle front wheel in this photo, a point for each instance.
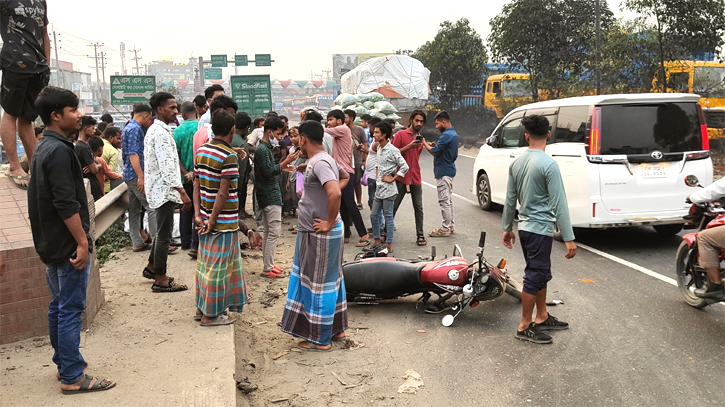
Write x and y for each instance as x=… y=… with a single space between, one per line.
x=688 y=277
x=513 y=288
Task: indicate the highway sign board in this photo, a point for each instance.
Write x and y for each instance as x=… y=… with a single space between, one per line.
x=218 y=60
x=263 y=60
x=212 y=73
x=252 y=93
x=240 y=60
x=127 y=90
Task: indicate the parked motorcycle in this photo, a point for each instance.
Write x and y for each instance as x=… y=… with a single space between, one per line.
x=690 y=275
x=375 y=278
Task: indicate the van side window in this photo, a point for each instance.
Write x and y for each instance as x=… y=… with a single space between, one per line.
x=497 y=87
x=571 y=124
x=488 y=88
x=511 y=134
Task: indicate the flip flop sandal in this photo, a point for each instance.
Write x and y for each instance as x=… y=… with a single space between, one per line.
x=171 y=288
x=151 y=276
x=362 y=243
x=339 y=338
x=274 y=274
x=173 y=249
x=439 y=233
x=18 y=178
x=86 y=386
x=312 y=347
x=421 y=241
x=219 y=320
x=143 y=248
x=197 y=317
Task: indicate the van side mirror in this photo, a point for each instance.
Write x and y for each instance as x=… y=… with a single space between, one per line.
x=491 y=141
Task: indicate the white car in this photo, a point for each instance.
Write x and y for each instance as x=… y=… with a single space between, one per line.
x=623 y=158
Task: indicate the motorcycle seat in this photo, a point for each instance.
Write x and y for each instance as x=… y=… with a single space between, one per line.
x=382 y=276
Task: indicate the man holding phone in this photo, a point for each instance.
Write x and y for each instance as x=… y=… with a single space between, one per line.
x=410 y=144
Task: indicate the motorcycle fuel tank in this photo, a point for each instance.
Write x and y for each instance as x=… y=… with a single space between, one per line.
x=451 y=271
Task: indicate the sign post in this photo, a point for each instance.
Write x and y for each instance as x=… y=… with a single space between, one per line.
x=240 y=60
x=218 y=60
x=252 y=93
x=263 y=60
x=127 y=90
x=212 y=73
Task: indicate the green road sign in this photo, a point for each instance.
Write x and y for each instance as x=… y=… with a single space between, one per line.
x=263 y=60
x=218 y=60
x=127 y=90
x=252 y=93
x=240 y=60
x=212 y=73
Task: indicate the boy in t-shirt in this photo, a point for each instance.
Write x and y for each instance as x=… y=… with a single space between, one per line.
x=96 y=145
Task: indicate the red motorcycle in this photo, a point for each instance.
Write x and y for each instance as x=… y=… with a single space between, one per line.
x=690 y=275
x=384 y=278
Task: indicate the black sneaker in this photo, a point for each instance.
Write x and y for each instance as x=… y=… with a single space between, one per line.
x=552 y=324
x=534 y=334
x=713 y=291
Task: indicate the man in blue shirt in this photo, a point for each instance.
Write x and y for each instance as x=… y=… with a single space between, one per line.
x=534 y=181
x=445 y=152
x=132 y=148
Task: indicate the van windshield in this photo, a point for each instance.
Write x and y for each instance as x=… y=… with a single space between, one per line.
x=634 y=129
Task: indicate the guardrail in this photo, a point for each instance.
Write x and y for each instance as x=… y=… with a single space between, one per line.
x=109 y=208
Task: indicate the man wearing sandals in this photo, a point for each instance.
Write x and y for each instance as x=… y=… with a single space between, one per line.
x=163 y=188
x=219 y=276
x=316 y=309
x=59 y=219
x=445 y=152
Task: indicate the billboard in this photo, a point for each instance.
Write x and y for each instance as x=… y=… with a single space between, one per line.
x=252 y=93
x=344 y=63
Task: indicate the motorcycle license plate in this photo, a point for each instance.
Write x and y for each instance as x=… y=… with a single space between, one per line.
x=658 y=170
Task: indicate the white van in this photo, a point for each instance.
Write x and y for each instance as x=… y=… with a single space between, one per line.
x=623 y=158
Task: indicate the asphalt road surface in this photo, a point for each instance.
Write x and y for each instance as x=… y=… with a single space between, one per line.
x=632 y=339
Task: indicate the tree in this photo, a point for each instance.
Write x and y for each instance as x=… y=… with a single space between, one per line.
x=553 y=40
x=630 y=63
x=456 y=59
x=683 y=28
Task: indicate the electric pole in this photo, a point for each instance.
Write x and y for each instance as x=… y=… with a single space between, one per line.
x=598 y=56
x=95 y=46
x=136 y=59
x=123 y=59
x=57 y=62
x=103 y=68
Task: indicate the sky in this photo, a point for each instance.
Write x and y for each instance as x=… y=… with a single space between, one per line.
x=301 y=36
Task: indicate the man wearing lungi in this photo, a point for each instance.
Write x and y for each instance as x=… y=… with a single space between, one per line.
x=316 y=308
x=219 y=277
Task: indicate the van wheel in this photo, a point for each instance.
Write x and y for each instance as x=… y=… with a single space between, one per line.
x=668 y=230
x=484 y=193
x=557 y=233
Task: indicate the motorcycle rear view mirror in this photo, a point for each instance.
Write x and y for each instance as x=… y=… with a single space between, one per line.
x=482 y=240
x=432 y=253
x=692 y=181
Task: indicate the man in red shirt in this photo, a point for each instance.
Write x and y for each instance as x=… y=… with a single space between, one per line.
x=408 y=141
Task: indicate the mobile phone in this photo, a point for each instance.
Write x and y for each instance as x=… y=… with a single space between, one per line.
x=74 y=255
x=418 y=138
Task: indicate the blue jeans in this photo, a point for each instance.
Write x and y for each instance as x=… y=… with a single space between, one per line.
x=68 y=288
x=371 y=197
x=383 y=208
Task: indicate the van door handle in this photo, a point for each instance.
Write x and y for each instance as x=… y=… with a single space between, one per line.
x=512 y=156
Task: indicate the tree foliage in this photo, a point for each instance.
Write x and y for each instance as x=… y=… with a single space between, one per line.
x=630 y=57
x=552 y=40
x=456 y=59
x=683 y=28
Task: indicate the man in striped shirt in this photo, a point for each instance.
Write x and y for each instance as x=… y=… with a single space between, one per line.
x=220 y=282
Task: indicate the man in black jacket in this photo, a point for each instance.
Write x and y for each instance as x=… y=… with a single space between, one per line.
x=59 y=219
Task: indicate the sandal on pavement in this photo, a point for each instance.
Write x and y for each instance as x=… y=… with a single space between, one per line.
x=197 y=317
x=362 y=243
x=439 y=233
x=219 y=320
x=101 y=385
x=173 y=249
x=142 y=248
x=171 y=288
x=148 y=274
x=421 y=241
x=312 y=347
x=21 y=181
x=274 y=274
x=342 y=338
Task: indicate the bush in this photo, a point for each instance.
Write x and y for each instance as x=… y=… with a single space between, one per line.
x=111 y=241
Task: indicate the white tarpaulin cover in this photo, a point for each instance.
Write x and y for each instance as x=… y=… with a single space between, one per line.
x=401 y=79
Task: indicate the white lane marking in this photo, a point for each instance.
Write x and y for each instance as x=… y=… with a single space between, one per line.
x=469 y=156
x=608 y=256
x=454 y=194
x=629 y=264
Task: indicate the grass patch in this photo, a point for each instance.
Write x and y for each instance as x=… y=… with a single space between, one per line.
x=111 y=241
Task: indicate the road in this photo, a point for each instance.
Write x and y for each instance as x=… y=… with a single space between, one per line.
x=632 y=341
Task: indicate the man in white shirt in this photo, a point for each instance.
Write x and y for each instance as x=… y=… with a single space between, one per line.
x=164 y=190
x=210 y=93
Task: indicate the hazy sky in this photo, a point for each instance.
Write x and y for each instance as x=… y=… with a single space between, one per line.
x=300 y=35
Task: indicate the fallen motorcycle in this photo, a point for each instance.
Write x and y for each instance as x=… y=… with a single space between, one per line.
x=374 y=278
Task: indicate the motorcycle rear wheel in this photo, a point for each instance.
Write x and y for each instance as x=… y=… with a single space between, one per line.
x=513 y=288
x=688 y=278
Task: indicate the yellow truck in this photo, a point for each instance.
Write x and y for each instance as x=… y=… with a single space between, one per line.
x=506 y=92
x=704 y=78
